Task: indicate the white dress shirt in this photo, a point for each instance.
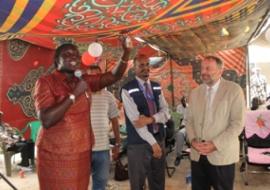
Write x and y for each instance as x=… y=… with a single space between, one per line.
x=133 y=114
x=183 y=113
x=213 y=92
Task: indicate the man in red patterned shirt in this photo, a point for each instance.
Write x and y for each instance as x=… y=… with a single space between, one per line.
x=62 y=103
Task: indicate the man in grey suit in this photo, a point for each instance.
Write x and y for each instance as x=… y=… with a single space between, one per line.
x=215 y=120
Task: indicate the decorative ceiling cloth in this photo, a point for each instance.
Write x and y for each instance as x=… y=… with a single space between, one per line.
x=161 y=22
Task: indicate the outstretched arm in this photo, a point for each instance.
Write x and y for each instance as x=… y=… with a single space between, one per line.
x=111 y=77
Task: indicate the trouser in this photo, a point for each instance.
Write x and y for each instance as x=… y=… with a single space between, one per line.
x=142 y=165
x=180 y=141
x=100 y=169
x=26 y=148
x=205 y=175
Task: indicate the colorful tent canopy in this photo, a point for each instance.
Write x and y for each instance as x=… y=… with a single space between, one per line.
x=180 y=27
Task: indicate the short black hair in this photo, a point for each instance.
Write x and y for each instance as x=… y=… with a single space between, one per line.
x=216 y=59
x=59 y=50
x=255 y=103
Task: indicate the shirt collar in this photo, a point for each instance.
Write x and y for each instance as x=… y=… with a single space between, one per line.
x=141 y=82
x=100 y=91
x=60 y=76
x=215 y=86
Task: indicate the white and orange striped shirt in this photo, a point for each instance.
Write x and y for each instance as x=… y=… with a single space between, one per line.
x=103 y=109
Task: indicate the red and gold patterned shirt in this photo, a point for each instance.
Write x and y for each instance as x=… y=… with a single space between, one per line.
x=73 y=133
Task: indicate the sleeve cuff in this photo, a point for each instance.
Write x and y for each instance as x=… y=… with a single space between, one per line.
x=217 y=145
x=155 y=118
x=152 y=141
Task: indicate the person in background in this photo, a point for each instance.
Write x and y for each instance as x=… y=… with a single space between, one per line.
x=121 y=117
x=146 y=112
x=103 y=111
x=3 y=125
x=215 y=121
x=255 y=103
x=17 y=143
x=62 y=102
x=182 y=110
x=180 y=136
x=123 y=129
x=258 y=85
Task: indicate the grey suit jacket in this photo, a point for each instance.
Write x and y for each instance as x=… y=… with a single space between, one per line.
x=226 y=124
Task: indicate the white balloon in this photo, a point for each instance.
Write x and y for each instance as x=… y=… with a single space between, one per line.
x=267 y=34
x=95 y=49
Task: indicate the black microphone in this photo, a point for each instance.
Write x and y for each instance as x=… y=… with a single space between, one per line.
x=78 y=73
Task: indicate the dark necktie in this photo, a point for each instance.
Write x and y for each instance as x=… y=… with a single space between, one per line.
x=151 y=105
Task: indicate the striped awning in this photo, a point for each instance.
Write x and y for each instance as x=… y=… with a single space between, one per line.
x=171 y=24
x=232 y=31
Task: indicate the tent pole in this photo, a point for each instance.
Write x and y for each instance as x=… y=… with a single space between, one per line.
x=248 y=101
x=172 y=81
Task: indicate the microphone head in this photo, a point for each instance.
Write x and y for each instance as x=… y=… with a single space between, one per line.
x=78 y=73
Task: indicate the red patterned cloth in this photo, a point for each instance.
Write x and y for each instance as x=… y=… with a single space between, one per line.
x=64 y=147
x=63 y=171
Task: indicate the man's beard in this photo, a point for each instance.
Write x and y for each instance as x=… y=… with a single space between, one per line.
x=206 y=79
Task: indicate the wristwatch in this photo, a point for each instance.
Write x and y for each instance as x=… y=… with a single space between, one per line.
x=72 y=97
x=117 y=144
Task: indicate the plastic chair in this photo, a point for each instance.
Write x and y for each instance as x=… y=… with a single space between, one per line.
x=34 y=126
x=9 y=153
x=256 y=142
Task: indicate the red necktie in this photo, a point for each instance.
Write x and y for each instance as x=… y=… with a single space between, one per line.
x=151 y=105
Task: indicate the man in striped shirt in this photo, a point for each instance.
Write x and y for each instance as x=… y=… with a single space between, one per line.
x=103 y=111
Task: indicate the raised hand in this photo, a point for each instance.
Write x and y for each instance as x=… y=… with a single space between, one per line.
x=80 y=88
x=126 y=43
